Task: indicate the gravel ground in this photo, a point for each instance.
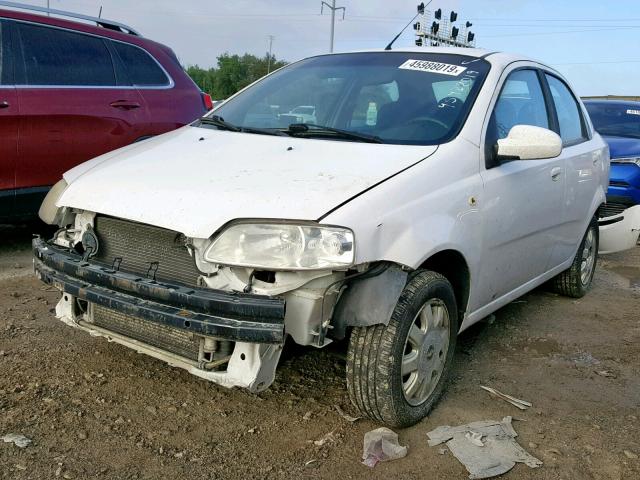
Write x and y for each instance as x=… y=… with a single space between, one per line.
x=95 y=409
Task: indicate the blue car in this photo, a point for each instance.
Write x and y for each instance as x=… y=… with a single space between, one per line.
x=618 y=122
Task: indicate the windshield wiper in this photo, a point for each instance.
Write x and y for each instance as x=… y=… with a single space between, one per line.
x=312 y=128
x=220 y=122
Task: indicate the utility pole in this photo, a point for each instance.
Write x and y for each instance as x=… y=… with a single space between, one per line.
x=333 y=9
x=269 y=60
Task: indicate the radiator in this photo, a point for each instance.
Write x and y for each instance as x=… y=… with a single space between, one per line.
x=179 y=342
x=145 y=250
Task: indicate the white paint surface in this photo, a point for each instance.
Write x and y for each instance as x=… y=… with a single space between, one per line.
x=195 y=186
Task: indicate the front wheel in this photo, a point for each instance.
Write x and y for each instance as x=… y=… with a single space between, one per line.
x=576 y=281
x=397 y=372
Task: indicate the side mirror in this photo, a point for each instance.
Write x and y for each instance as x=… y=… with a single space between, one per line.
x=526 y=142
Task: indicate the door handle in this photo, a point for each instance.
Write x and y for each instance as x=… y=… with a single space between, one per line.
x=555 y=173
x=4 y=104
x=125 y=104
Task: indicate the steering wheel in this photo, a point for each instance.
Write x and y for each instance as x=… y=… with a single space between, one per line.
x=435 y=121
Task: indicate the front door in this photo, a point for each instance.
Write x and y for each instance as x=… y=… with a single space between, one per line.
x=8 y=125
x=523 y=200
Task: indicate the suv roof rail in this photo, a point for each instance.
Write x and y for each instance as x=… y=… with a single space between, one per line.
x=101 y=22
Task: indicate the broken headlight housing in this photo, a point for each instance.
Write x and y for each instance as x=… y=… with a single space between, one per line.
x=49 y=212
x=283 y=246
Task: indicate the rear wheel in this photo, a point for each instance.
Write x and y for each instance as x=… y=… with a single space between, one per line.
x=576 y=281
x=397 y=372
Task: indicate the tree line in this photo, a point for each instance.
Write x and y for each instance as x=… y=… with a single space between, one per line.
x=232 y=73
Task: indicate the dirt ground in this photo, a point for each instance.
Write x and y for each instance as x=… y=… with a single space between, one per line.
x=95 y=409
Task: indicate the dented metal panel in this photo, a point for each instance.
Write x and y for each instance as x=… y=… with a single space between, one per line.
x=194 y=180
x=369 y=301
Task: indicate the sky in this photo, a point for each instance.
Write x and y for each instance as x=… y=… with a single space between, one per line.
x=595 y=44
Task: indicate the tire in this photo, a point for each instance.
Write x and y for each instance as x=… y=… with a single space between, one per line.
x=375 y=382
x=576 y=281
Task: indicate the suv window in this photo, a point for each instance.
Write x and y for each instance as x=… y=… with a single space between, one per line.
x=569 y=117
x=58 y=57
x=141 y=68
x=6 y=57
x=3 y=68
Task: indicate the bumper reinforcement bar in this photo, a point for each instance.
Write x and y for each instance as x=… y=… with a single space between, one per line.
x=238 y=317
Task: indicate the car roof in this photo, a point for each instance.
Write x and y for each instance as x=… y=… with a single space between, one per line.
x=498 y=59
x=79 y=26
x=604 y=101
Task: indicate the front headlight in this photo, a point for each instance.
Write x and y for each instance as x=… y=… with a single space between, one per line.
x=283 y=246
x=48 y=212
x=635 y=160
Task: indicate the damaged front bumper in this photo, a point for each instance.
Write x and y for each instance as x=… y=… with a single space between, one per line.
x=619 y=232
x=254 y=323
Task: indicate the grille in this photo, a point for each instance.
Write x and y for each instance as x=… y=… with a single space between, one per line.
x=165 y=338
x=612 y=208
x=618 y=183
x=141 y=246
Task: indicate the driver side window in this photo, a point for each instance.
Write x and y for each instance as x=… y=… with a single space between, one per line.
x=521 y=102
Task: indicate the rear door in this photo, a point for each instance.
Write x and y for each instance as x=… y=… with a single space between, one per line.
x=582 y=166
x=169 y=106
x=523 y=204
x=73 y=104
x=8 y=123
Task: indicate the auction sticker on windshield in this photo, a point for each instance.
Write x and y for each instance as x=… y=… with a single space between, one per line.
x=432 y=67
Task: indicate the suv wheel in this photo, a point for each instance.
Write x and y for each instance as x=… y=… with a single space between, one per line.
x=576 y=281
x=397 y=372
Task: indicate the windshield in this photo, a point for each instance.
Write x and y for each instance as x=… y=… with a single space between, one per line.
x=615 y=119
x=395 y=97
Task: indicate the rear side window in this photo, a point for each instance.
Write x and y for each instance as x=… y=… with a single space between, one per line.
x=55 y=57
x=141 y=68
x=570 y=119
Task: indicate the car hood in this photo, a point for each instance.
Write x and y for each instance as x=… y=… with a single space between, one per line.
x=622 y=147
x=194 y=180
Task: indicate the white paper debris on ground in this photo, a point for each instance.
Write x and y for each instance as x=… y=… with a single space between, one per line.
x=516 y=402
x=381 y=445
x=18 y=440
x=499 y=451
x=475 y=438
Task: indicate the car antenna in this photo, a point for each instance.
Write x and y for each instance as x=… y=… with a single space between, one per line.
x=420 y=12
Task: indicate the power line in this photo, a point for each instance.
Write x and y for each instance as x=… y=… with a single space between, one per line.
x=557 y=19
x=561 y=32
x=598 y=63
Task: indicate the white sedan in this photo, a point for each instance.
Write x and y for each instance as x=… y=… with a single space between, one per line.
x=433 y=187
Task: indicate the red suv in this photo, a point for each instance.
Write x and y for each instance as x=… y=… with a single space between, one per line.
x=70 y=91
